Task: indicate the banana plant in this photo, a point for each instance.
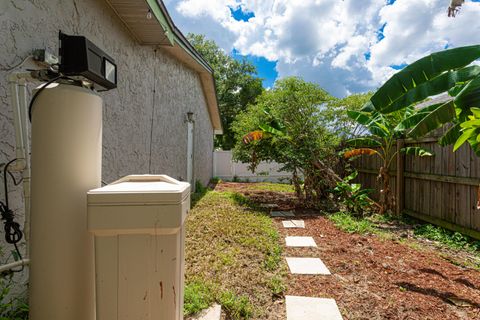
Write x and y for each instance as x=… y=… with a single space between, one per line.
x=448 y=71
x=382 y=133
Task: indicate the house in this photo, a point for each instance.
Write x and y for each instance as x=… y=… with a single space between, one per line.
x=161 y=78
x=165 y=88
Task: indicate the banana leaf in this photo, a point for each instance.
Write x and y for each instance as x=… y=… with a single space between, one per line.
x=475 y=112
x=417 y=151
x=369 y=120
x=416 y=118
x=271 y=130
x=359 y=152
x=435 y=119
x=368 y=107
x=436 y=86
x=253 y=136
x=421 y=71
x=466 y=135
x=469 y=97
x=450 y=136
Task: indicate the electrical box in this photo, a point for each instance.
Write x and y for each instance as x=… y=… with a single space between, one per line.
x=80 y=57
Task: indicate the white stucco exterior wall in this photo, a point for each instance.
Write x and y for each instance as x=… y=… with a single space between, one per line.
x=144 y=118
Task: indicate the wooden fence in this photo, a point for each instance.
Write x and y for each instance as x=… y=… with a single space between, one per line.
x=441 y=189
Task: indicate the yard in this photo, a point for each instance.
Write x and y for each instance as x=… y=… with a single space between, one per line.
x=380 y=268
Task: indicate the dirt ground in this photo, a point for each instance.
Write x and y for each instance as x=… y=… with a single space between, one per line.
x=372 y=277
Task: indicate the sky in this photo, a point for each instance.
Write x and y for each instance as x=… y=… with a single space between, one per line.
x=346 y=46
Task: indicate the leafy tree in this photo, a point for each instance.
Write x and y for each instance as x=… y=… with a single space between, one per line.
x=287 y=125
x=237 y=84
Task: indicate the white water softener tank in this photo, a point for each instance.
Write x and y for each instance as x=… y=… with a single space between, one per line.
x=66 y=163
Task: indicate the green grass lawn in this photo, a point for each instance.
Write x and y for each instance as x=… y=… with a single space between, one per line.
x=233 y=256
x=275 y=187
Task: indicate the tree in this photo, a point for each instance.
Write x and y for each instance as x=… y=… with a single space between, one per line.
x=287 y=125
x=237 y=84
x=382 y=132
x=336 y=113
x=448 y=71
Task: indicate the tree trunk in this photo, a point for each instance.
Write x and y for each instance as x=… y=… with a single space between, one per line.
x=387 y=200
x=296 y=185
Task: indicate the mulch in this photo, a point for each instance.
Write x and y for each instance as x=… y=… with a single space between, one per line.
x=375 y=278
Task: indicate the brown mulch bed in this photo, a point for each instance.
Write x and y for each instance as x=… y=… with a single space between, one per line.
x=375 y=278
x=381 y=279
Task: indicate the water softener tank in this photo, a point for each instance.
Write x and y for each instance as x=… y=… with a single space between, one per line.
x=66 y=163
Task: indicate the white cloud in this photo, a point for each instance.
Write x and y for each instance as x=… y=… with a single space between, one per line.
x=325 y=41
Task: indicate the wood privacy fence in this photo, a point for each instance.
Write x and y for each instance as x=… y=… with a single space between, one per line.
x=441 y=189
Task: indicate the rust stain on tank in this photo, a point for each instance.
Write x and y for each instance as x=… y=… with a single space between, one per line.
x=161 y=289
x=145 y=296
x=174 y=297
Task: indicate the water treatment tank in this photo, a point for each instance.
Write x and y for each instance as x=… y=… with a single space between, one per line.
x=66 y=163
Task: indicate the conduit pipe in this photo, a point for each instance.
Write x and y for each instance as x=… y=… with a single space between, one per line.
x=18 y=87
x=13 y=265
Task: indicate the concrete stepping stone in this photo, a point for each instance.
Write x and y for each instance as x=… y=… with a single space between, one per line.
x=268 y=205
x=293 y=224
x=307 y=266
x=300 y=242
x=277 y=214
x=212 y=313
x=303 y=308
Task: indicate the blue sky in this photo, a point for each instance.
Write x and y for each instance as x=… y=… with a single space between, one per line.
x=345 y=46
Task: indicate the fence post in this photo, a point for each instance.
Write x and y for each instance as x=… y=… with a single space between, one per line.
x=400 y=180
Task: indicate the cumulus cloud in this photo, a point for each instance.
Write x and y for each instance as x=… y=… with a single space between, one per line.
x=333 y=43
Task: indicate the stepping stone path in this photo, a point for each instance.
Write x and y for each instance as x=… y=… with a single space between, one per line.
x=268 y=205
x=212 y=313
x=279 y=214
x=300 y=242
x=293 y=224
x=303 y=308
x=307 y=266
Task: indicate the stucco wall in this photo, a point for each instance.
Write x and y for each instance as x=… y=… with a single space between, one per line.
x=144 y=118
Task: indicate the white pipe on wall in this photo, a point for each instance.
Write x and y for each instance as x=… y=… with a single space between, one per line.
x=24 y=122
x=14 y=265
x=18 y=88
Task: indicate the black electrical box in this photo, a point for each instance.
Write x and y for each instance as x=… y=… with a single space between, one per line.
x=80 y=57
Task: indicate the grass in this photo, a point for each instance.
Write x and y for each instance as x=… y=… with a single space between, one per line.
x=451 y=239
x=233 y=256
x=198 y=296
x=274 y=187
x=350 y=224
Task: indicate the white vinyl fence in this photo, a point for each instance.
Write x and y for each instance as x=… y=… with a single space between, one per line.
x=226 y=169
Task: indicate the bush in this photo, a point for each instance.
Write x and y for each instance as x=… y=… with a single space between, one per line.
x=352 y=196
